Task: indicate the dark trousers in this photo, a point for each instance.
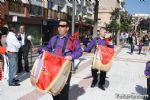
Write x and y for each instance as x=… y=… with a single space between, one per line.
x=148 y=88
x=23 y=52
x=64 y=94
x=102 y=76
x=140 y=50
x=132 y=47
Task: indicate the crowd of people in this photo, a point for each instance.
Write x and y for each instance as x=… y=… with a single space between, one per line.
x=17 y=47
x=141 y=41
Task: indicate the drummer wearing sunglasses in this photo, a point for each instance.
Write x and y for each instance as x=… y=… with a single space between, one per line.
x=59 y=45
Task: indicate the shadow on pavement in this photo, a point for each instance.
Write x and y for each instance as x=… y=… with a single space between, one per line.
x=106 y=84
x=75 y=92
x=129 y=52
x=80 y=60
x=125 y=46
x=141 y=90
x=88 y=77
x=23 y=76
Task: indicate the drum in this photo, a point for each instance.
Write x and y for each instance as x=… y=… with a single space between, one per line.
x=103 y=58
x=50 y=73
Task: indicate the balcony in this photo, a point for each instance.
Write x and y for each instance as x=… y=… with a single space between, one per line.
x=62 y=15
x=16 y=7
x=54 y=15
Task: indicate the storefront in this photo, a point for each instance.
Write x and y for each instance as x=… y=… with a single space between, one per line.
x=32 y=26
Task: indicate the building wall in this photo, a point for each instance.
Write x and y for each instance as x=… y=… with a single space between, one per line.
x=105 y=19
x=106 y=7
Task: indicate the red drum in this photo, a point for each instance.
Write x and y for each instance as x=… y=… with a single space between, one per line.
x=103 y=58
x=50 y=73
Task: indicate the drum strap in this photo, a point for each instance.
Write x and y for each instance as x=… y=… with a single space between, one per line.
x=55 y=43
x=64 y=45
x=96 y=41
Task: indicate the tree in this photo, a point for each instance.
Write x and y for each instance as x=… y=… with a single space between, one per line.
x=125 y=21
x=144 y=24
x=113 y=27
x=120 y=21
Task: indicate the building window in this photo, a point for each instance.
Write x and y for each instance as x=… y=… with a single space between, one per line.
x=39 y=0
x=59 y=9
x=50 y=5
x=70 y=1
x=69 y=10
x=35 y=10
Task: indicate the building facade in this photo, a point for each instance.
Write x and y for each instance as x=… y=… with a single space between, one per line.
x=40 y=17
x=106 y=7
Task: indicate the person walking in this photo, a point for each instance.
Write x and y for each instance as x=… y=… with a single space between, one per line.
x=132 y=41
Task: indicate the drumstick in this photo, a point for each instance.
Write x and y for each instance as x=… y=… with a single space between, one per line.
x=32 y=44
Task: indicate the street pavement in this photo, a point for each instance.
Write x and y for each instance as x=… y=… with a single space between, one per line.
x=125 y=80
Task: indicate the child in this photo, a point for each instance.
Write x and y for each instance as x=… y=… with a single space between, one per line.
x=147 y=74
x=140 y=45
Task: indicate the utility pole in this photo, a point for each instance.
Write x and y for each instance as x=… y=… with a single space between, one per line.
x=73 y=16
x=73 y=26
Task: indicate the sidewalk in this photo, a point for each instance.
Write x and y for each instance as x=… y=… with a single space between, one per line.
x=125 y=77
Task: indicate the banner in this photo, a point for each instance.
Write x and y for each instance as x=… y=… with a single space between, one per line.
x=103 y=58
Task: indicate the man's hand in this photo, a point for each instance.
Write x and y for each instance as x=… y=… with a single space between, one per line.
x=68 y=57
x=34 y=49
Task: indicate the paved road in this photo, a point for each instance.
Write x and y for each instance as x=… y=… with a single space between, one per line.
x=124 y=80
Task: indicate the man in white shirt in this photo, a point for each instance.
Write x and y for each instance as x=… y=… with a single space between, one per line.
x=12 y=48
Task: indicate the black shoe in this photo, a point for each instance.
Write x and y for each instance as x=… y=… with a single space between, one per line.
x=93 y=84
x=101 y=87
x=14 y=84
x=20 y=71
x=16 y=80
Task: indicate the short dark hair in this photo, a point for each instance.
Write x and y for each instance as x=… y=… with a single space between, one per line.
x=64 y=20
x=4 y=30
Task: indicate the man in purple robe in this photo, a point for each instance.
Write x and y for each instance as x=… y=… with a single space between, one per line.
x=64 y=45
x=99 y=40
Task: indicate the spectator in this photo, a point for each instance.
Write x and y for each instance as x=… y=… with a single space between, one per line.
x=24 y=50
x=12 y=48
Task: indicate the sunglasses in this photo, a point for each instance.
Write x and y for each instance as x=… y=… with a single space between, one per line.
x=62 y=25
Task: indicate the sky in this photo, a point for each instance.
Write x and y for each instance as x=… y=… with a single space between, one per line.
x=137 y=6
